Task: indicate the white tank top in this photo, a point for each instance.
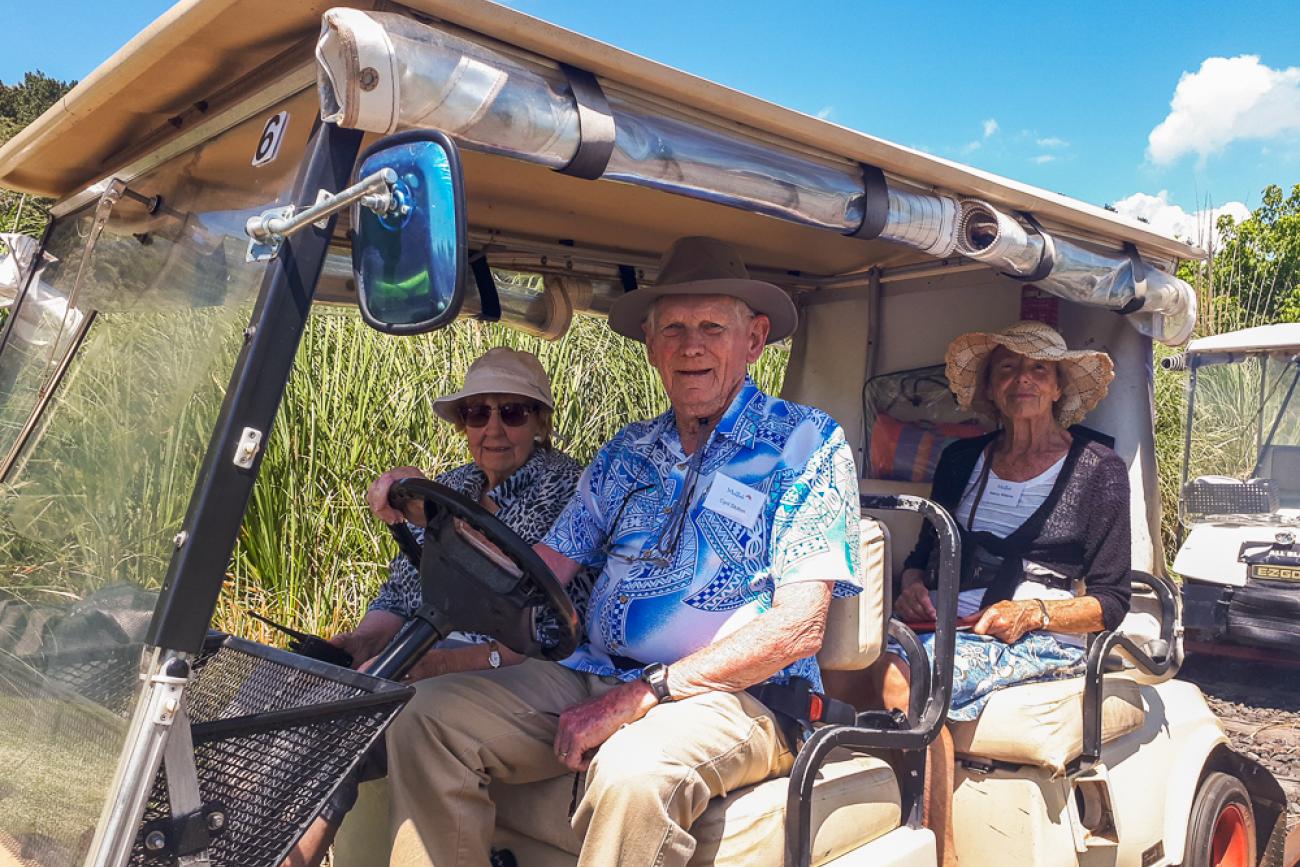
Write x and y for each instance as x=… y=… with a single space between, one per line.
x=1003 y=508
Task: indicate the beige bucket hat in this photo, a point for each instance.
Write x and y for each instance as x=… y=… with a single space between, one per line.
x=704 y=266
x=1085 y=374
x=500 y=371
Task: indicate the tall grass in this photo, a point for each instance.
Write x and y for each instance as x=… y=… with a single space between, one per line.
x=359 y=403
x=104 y=481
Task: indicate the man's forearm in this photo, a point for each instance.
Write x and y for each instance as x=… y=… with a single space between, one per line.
x=789 y=631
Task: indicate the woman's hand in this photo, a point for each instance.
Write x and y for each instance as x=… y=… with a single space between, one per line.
x=913 y=604
x=371 y=635
x=1009 y=621
x=377 y=496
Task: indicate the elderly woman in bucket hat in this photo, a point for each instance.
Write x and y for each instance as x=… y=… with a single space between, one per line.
x=1043 y=513
x=504 y=411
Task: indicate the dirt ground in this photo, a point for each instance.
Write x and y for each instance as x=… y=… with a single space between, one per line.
x=1259 y=705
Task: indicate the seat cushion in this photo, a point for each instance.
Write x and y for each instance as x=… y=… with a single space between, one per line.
x=855 y=625
x=855 y=800
x=1042 y=723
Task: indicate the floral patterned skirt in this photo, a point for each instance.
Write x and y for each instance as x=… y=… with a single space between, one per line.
x=983 y=664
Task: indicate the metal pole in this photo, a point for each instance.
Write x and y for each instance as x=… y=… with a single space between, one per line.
x=374 y=191
x=18 y=215
x=1187 y=449
x=158 y=706
x=225 y=482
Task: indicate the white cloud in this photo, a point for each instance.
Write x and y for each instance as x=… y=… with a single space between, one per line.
x=1044 y=159
x=1052 y=142
x=825 y=111
x=1227 y=99
x=971 y=146
x=990 y=127
x=1171 y=219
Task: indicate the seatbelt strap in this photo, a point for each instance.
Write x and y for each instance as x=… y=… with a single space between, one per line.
x=797 y=701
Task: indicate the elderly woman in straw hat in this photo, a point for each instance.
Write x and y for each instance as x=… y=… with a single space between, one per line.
x=1043 y=512
x=504 y=412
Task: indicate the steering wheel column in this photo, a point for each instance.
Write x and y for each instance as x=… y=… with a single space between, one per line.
x=426 y=627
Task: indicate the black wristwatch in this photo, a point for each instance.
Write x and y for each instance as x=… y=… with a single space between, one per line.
x=656 y=677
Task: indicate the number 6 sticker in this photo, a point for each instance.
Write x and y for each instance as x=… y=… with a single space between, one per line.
x=268 y=146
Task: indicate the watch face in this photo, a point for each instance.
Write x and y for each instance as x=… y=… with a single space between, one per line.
x=656 y=675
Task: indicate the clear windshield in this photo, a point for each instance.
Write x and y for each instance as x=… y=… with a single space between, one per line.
x=1226 y=422
x=1246 y=423
x=110 y=386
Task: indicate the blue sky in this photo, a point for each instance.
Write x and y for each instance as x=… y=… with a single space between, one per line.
x=1063 y=96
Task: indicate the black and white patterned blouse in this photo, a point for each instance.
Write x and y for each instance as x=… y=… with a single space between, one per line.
x=528 y=502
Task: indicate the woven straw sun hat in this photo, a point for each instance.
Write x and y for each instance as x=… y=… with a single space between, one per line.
x=500 y=371
x=704 y=266
x=1085 y=374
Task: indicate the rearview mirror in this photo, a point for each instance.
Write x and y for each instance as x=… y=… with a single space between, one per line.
x=408 y=247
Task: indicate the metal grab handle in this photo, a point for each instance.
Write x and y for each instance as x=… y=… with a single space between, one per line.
x=1100 y=647
x=933 y=713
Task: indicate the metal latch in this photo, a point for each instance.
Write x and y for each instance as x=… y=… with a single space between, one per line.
x=250 y=443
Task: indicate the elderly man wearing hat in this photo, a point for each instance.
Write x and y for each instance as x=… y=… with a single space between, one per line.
x=1043 y=513
x=721 y=530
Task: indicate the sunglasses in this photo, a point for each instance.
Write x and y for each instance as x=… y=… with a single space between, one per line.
x=664 y=552
x=512 y=414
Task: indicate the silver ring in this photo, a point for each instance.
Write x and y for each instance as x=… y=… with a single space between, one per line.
x=563 y=755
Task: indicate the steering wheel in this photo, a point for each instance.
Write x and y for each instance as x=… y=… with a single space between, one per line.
x=505 y=591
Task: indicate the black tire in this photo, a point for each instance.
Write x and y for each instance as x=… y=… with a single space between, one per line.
x=1219 y=796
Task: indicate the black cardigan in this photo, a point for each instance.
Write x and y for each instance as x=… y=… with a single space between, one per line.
x=1081 y=530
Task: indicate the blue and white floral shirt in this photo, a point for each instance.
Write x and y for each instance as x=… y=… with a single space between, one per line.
x=773 y=499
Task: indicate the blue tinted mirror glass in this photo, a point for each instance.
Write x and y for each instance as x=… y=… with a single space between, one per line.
x=409 y=261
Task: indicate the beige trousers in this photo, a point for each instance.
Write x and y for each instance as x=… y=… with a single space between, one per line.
x=646 y=786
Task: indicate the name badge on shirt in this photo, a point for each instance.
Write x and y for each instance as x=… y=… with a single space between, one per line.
x=1004 y=493
x=731 y=499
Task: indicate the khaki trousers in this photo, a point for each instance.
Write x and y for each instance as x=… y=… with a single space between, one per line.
x=648 y=783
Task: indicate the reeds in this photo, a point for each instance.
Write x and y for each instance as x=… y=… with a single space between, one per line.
x=359 y=403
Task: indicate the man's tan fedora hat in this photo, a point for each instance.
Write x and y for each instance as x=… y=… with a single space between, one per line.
x=1085 y=374
x=500 y=371
x=704 y=266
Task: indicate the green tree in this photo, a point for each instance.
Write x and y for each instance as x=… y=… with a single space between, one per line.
x=1253 y=277
x=20 y=104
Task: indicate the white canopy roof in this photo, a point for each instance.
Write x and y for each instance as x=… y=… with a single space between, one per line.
x=1282 y=337
x=204 y=54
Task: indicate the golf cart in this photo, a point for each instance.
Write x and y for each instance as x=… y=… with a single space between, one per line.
x=240 y=161
x=1240 y=503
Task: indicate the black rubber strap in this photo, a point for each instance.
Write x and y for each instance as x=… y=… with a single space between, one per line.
x=627 y=277
x=1139 y=299
x=595 y=125
x=489 y=300
x=875 y=203
x=1047 y=261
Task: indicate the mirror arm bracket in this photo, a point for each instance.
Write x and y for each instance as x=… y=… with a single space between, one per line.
x=267 y=231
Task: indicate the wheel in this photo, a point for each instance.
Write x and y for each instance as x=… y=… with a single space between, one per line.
x=1221 y=829
x=481 y=577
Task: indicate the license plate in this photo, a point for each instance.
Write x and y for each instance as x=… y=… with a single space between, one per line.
x=1275 y=573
